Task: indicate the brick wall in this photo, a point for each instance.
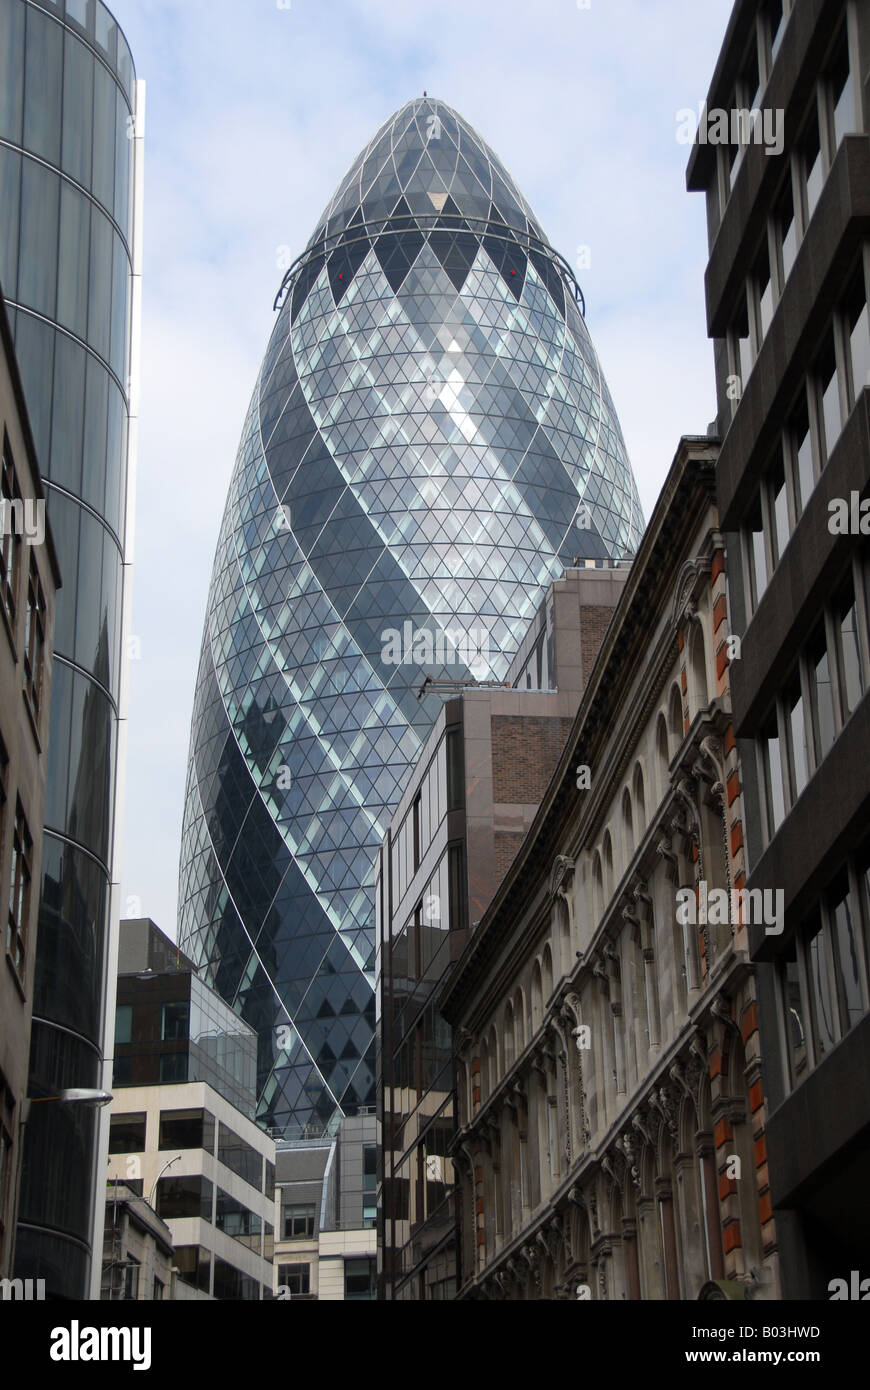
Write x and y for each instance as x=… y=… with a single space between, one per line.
x=507 y=844
x=594 y=622
x=524 y=757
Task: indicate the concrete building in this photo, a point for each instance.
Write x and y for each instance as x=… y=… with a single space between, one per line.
x=611 y=1112
x=461 y=819
x=326 y=1214
x=137 y=1249
x=787 y=294
x=181 y=1132
x=30 y=578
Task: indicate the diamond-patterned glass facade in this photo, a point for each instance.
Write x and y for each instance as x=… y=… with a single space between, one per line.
x=430 y=442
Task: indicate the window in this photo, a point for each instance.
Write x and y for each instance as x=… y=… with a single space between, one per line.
x=296 y=1279
x=779 y=510
x=848 y=650
x=194 y=1266
x=240 y=1158
x=797 y=736
x=773 y=784
x=236 y=1220
x=173 y=1068
x=821 y=694
x=756 y=554
x=187 y=1129
x=858 y=330
x=176 y=1021
x=359 y=1279
x=19 y=889
x=124 y=1023
x=131 y=1278
x=795 y=1013
x=828 y=387
x=370 y=1167
x=842 y=90
x=786 y=231
x=812 y=166
x=763 y=290
x=845 y=934
x=158 y=1290
x=299 y=1223
x=823 y=998
x=234 y=1286
x=775 y=25
x=127 y=1134
x=34 y=641
x=184 y=1197
x=801 y=447
x=415 y=813
x=10 y=497
x=742 y=358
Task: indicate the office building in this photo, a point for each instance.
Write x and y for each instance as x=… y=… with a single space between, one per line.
x=30 y=579
x=181 y=1132
x=70 y=142
x=462 y=817
x=787 y=293
x=326 y=1215
x=430 y=443
x=611 y=1111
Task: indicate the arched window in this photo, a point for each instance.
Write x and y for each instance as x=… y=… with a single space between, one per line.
x=537 y=997
x=627 y=829
x=508 y=1034
x=639 y=801
x=676 y=729
x=698 y=669
x=608 y=867
x=519 y=1023
x=663 y=756
x=597 y=890
x=547 y=972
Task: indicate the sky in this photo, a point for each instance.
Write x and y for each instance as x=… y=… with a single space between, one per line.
x=255 y=111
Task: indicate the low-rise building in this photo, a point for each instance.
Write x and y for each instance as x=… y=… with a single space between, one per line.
x=181 y=1130
x=326 y=1214
x=611 y=1110
x=137 y=1249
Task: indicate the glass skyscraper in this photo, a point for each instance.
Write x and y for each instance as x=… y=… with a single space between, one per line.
x=430 y=443
x=68 y=145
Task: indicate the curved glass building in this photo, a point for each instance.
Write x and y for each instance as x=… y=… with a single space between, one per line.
x=67 y=107
x=430 y=442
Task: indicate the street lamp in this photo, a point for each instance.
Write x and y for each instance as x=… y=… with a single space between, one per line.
x=159 y=1176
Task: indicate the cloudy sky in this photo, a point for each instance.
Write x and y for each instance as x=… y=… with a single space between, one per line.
x=255 y=110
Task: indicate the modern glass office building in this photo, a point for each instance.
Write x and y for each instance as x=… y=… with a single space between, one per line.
x=430 y=443
x=68 y=149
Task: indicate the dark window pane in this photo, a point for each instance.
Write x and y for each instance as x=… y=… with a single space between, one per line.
x=43 y=83
x=127 y=1134
x=795 y=1015
x=823 y=996
x=851 y=676
x=844 y=926
x=822 y=693
x=775 y=791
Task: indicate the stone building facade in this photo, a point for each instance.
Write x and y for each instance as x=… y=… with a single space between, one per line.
x=611 y=1131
